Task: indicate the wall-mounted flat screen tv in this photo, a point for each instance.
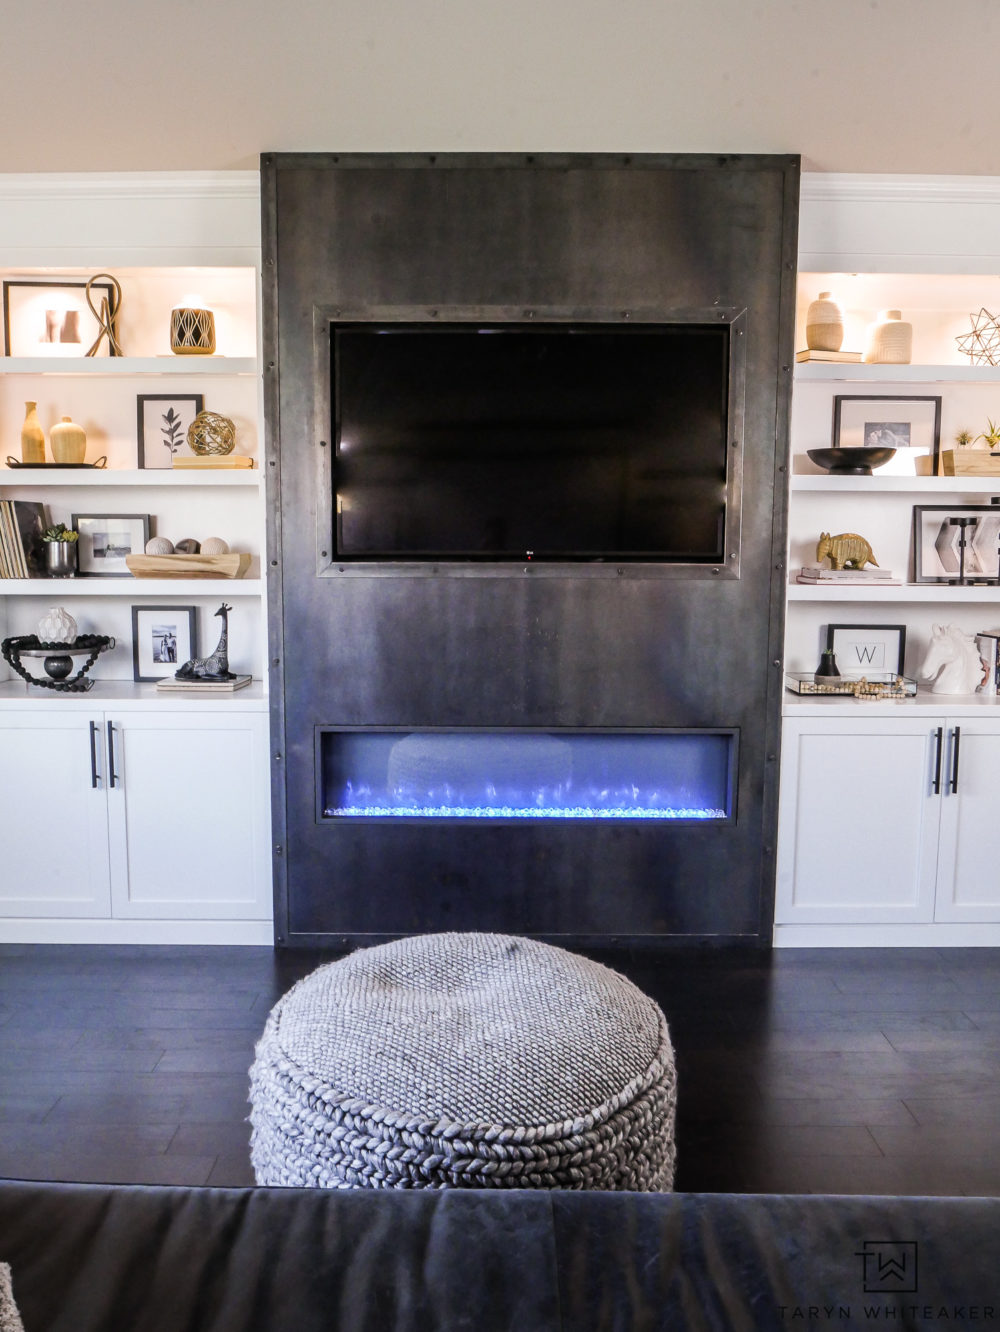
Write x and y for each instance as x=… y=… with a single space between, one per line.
x=516 y=442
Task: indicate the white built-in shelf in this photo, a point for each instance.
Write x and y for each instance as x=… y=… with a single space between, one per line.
x=967 y=705
x=856 y=373
x=928 y=592
x=132 y=697
x=131 y=587
x=151 y=476
x=886 y=485
x=128 y=365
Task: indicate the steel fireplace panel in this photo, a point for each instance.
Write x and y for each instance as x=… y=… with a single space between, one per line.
x=511 y=776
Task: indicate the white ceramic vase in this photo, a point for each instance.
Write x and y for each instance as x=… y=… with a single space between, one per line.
x=824 y=324
x=890 y=340
x=57 y=626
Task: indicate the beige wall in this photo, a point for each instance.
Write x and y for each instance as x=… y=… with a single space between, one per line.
x=853 y=85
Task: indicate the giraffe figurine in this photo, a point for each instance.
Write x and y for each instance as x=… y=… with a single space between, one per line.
x=216 y=666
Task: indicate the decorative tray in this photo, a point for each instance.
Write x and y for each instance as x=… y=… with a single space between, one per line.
x=233 y=565
x=16 y=462
x=879 y=684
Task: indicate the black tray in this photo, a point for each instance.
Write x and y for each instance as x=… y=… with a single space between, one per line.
x=16 y=462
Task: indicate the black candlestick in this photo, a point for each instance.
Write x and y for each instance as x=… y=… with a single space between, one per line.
x=962 y=524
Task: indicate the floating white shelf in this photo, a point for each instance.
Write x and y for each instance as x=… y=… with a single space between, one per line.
x=855 y=373
x=107 y=476
x=887 y=485
x=131 y=587
x=929 y=592
x=128 y=365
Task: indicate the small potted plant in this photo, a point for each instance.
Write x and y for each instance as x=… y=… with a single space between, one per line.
x=964 y=438
x=990 y=436
x=60 y=551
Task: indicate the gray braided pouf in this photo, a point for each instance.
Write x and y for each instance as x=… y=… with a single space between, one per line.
x=477 y=1060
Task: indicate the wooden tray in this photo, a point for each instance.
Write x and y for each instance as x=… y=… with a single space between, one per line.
x=969 y=462
x=233 y=565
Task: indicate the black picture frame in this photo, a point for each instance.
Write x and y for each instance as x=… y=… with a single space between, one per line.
x=936 y=543
x=867 y=649
x=90 y=329
x=146 y=447
x=85 y=525
x=157 y=664
x=850 y=433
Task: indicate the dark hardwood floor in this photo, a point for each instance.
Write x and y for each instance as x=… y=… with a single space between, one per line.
x=803 y=1071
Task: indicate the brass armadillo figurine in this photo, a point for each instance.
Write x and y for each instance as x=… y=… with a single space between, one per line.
x=846 y=550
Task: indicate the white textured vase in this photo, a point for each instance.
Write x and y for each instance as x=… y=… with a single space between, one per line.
x=57 y=626
x=890 y=340
x=824 y=324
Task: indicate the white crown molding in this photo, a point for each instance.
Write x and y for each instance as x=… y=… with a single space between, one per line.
x=845 y=187
x=114 y=186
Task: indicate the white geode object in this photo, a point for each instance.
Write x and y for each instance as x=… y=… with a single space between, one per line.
x=57 y=626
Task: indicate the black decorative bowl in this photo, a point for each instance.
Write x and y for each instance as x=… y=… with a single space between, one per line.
x=850 y=462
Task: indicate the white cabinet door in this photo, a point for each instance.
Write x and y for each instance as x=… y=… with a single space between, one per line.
x=969 y=856
x=189 y=817
x=53 y=816
x=858 y=820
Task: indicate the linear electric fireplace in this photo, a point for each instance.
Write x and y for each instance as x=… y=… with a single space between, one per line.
x=512 y=775
x=527 y=431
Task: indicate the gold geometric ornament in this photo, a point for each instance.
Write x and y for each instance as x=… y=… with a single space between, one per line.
x=982 y=343
x=211 y=434
x=192 y=332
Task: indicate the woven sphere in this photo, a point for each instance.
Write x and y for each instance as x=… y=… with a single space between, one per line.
x=210 y=433
x=464 y=1060
x=214 y=546
x=159 y=546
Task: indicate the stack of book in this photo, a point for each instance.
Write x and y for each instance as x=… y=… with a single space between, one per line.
x=816 y=574
x=837 y=357
x=22 y=551
x=988 y=643
x=171 y=682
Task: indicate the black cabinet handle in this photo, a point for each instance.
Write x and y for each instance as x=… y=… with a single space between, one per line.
x=95 y=777
x=112 y=775
x=953 y=784
x=939 y=739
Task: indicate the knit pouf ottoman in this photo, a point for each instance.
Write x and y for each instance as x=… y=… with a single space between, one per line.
x=464 y=1060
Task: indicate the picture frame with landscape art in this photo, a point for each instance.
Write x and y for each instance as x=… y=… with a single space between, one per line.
x=936 y=551
x=163 y=638
x=45 y=317
x=162 y=422
x=867 y=649
x=105 y=539
x=908 y=423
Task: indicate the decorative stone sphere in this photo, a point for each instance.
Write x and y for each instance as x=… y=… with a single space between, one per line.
x=214 y=546
x=209 y=433
x=57 y=626
x=187 y=547
x=159 y=546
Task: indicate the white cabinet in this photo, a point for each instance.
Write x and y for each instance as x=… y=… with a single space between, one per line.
x=969 y=855
x=889 y=820
x=53 y=816
x=134 y=815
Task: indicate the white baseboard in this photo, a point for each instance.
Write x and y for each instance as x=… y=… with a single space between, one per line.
x=31 y=931
x=918 y=935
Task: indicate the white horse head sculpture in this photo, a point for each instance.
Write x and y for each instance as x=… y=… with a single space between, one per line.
x=954 y=659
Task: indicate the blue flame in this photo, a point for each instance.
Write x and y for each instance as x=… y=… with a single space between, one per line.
x=517 y=812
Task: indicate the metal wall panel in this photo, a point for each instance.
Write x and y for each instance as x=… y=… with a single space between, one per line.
x=692 y=237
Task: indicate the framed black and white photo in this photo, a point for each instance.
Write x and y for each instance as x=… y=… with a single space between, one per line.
x=162 y=421
x=955 y=542
x=910 y=423
x=867 y=649
x=52 y=317
x=163 y=638
x=106 y=539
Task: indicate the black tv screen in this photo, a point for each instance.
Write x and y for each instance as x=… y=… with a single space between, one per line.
x=583 y=442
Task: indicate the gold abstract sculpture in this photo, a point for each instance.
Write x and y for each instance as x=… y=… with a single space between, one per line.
x=847 y=550
x=982 y=343
x=106 y=316
x=192 y=332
